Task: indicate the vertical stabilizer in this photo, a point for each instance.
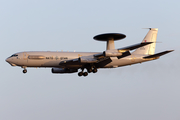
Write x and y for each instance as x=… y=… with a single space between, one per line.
x=150 y=37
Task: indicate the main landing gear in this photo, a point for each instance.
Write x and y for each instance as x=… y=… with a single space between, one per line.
x=82 y=73
x=94 y=70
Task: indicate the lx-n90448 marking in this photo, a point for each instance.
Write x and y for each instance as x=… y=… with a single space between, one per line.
x=89 y=62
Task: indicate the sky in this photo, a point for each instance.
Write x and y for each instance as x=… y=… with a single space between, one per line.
x=147 y=91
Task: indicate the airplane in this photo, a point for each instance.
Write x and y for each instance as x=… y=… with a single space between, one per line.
x=71 y=62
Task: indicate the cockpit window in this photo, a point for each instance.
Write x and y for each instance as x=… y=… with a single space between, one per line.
x=15 y=55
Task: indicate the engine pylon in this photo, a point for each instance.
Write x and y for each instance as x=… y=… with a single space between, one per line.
x=110 y=38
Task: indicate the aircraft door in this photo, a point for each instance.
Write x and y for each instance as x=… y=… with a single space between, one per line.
x=25 y=57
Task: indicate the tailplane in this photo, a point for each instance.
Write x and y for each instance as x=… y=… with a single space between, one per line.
x=150 y=37
x=157 y=55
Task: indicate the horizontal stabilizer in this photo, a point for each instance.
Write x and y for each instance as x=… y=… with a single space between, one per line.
x=135 y=46
x=158 y=54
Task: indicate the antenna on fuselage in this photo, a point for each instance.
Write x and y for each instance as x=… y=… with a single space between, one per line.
x=110 y=38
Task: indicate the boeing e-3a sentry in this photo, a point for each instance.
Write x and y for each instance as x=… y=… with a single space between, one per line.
x=89 y=62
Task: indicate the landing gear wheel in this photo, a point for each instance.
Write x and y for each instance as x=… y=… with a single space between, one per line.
x=94 y=70
x=80 y=73
x=85 y=74
x=89 y=70
x=25 y=71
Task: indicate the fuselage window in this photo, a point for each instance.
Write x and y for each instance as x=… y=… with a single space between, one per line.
x=63 y=58
x=49 y=57
x=14 y=55
x=56 y=58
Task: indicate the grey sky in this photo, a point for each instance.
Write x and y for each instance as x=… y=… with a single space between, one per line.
x=148 y=91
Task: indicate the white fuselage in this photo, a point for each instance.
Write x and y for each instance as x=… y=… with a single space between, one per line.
x=52 y=59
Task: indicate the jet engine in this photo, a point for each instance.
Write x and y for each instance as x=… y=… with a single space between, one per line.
x=63 y=70
x=112 y=53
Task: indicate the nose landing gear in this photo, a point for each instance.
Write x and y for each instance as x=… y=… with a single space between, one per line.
x=25 y=70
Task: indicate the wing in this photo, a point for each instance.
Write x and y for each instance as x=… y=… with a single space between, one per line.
x=102 y=59
x=86 y=60
x=135 y=46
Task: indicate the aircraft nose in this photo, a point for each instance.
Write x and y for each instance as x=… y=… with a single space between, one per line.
x=8 y=60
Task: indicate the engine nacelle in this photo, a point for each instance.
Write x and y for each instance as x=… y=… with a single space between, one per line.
x=112 y=53
x=63 y=70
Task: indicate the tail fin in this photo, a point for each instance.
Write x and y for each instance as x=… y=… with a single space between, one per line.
x=150 y=37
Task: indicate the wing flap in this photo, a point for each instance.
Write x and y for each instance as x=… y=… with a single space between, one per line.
x=103 y=62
